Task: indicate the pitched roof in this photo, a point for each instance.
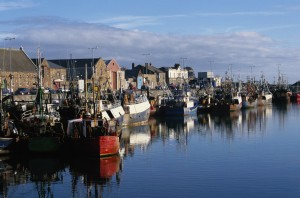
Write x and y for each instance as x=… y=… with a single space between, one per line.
x=154 y=69
x=107 y=62
x=16 y=60
x=51 y=64
x=129 y=73
x=78 y=64
x=54 y=65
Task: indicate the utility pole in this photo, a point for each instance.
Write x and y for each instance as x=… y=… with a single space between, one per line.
x=10 y=75
x=93 y=64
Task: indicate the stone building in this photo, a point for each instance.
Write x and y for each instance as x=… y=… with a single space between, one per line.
x=17 y=69
x=53 y=75
x=102 y=73
x=150 y=74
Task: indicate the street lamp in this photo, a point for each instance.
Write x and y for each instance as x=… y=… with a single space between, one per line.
x=93 y=48
x=10 y=75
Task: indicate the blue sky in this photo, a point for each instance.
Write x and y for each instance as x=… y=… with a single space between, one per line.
x=207 y=35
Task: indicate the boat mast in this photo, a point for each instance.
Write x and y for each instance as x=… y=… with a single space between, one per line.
x=86 y=106
x=40 y=82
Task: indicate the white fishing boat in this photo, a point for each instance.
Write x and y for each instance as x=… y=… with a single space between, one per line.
x=181 y=103
x=136 y=107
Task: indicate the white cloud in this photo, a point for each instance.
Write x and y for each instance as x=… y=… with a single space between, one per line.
x=13 y=5
x=254 y=13
x=242 y=49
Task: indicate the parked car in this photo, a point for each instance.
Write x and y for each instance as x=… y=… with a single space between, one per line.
x=63 y=90
x=158 y=87
x=5 y=91
x=33 y=90
x=22 y=91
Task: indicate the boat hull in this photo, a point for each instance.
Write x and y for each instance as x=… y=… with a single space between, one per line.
x=249 y=104
x=175 y=111
x=109 y=145
x=136 y=113
x=44 y=144
x=102 y=146
x=281 y=97
x=263 y=100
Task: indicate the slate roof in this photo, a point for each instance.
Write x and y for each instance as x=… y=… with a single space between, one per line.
x=16 y=60
x=135 y=71
x=54 y=65
x=154 y=69
x=78 y=64
x=51 y=64
x=130 y=73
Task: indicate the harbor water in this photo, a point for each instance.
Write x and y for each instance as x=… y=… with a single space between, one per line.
x=251 y=153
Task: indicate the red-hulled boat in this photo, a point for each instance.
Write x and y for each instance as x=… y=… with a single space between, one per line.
x=93 y=137
x=295 y=97
x=109 y=145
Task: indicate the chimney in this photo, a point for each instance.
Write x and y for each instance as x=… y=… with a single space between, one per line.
x=132 y=65
x=146 y=68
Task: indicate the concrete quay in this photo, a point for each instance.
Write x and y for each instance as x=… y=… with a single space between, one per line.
x=31 y=98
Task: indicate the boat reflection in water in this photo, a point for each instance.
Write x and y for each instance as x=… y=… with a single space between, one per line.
x=172 y=128
x=239 y=122
x=135 y=137
x=39 y=174
x=96 y=174
x=7 y=176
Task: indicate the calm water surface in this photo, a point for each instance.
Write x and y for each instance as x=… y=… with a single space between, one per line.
x=254 y=153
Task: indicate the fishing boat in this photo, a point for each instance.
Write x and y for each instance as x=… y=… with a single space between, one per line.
x=236 y=103
x=264 y=95
x=281 y=93
x=295 y=97
x=249 y=101
x=249 y=95
x=180 y=104
x=136 y=107
x=109 y=106
x=41 y=124
x=281 y=96
x=93 y=136
x=222 y=104
x=264 y=99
